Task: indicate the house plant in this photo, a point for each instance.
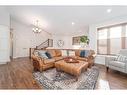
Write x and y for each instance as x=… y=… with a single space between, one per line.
x=84 y=41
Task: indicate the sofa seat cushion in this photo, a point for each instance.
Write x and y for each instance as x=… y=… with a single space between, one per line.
x=73 y=57
x=46 y=61
x=117 y=64
x=82 y=58
x=58 y=58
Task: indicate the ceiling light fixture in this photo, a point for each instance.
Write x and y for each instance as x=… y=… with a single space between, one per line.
x=109 y=10
x=72 y=23
x=36 y=28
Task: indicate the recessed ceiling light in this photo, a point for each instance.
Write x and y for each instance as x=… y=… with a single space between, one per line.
x=72 y=23
x=109 y=10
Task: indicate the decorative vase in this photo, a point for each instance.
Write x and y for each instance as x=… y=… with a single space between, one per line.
x=83 y=45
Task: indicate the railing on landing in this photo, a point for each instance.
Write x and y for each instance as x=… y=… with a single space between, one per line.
x=47 y=43
x=44 y=45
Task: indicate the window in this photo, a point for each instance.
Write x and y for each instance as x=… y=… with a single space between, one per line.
x=102 y=41
x=111 y=39
x=126 y=37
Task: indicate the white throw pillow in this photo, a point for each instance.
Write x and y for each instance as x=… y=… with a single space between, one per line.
x=71 y=53
x=64 y=52
x=121 y=58
x=35 y=52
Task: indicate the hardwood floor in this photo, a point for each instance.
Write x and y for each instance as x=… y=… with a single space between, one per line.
x=111 y=79
x=18 y=75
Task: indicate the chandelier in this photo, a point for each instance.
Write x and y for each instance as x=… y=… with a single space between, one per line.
x=36 y=28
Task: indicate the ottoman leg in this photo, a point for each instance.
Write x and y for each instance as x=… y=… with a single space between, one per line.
x=76 y=78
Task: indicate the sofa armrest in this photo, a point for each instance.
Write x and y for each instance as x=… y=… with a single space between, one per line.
x=126 y=66
x=108 y=59
x=38 y=61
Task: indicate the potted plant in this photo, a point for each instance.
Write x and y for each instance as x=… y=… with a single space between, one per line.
x=84 y=41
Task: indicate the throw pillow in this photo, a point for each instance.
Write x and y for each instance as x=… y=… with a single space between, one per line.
x=121 y=58
x=42 y=54
x=82 y=53
x=64 y=52
x=71 y=53
x=35 y=52
x=48 y=55
x=87 y=52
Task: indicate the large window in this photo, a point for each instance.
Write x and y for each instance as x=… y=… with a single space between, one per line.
x=112 y=39
x=102 y=41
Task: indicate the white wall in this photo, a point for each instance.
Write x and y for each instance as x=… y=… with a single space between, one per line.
x=4 y=36
x=67 y=39
x=4 y=17
x=24 y=38
x=4 y=44
x=93 y=33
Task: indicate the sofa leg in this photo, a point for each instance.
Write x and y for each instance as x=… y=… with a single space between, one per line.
x=35 y=69
x=107 y=68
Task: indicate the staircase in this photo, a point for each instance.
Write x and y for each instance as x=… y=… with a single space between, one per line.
x=45 y=44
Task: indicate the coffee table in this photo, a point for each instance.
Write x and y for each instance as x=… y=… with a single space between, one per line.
x=71 y=68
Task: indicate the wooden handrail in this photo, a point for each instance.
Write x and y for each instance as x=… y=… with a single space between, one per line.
x=48 y=43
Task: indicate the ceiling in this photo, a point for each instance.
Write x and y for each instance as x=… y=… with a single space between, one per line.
x=58 y=19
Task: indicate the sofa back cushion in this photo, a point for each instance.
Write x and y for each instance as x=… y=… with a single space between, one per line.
x=52 y=53
x=58 y=53
x=123 y=52
x=121 y=58
x=77 y=52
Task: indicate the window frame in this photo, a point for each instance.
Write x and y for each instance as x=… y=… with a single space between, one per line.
x=123 y=38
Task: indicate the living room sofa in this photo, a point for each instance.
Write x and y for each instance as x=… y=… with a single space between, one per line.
x=115 y=64
x=43 y=64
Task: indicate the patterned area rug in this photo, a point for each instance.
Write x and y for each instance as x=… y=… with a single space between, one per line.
x=50 y=79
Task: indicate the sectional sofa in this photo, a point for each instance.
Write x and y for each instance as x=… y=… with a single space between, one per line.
x=41 y=64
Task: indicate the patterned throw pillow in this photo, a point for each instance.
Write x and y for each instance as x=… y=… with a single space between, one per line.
x=121 y=58
x=42 y=54
x=71 y=53
x=64 y=52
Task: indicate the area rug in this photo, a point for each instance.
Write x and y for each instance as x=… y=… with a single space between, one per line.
x=50 y=79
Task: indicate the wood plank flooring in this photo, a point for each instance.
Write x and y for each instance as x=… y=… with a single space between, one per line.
x=18 y=75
